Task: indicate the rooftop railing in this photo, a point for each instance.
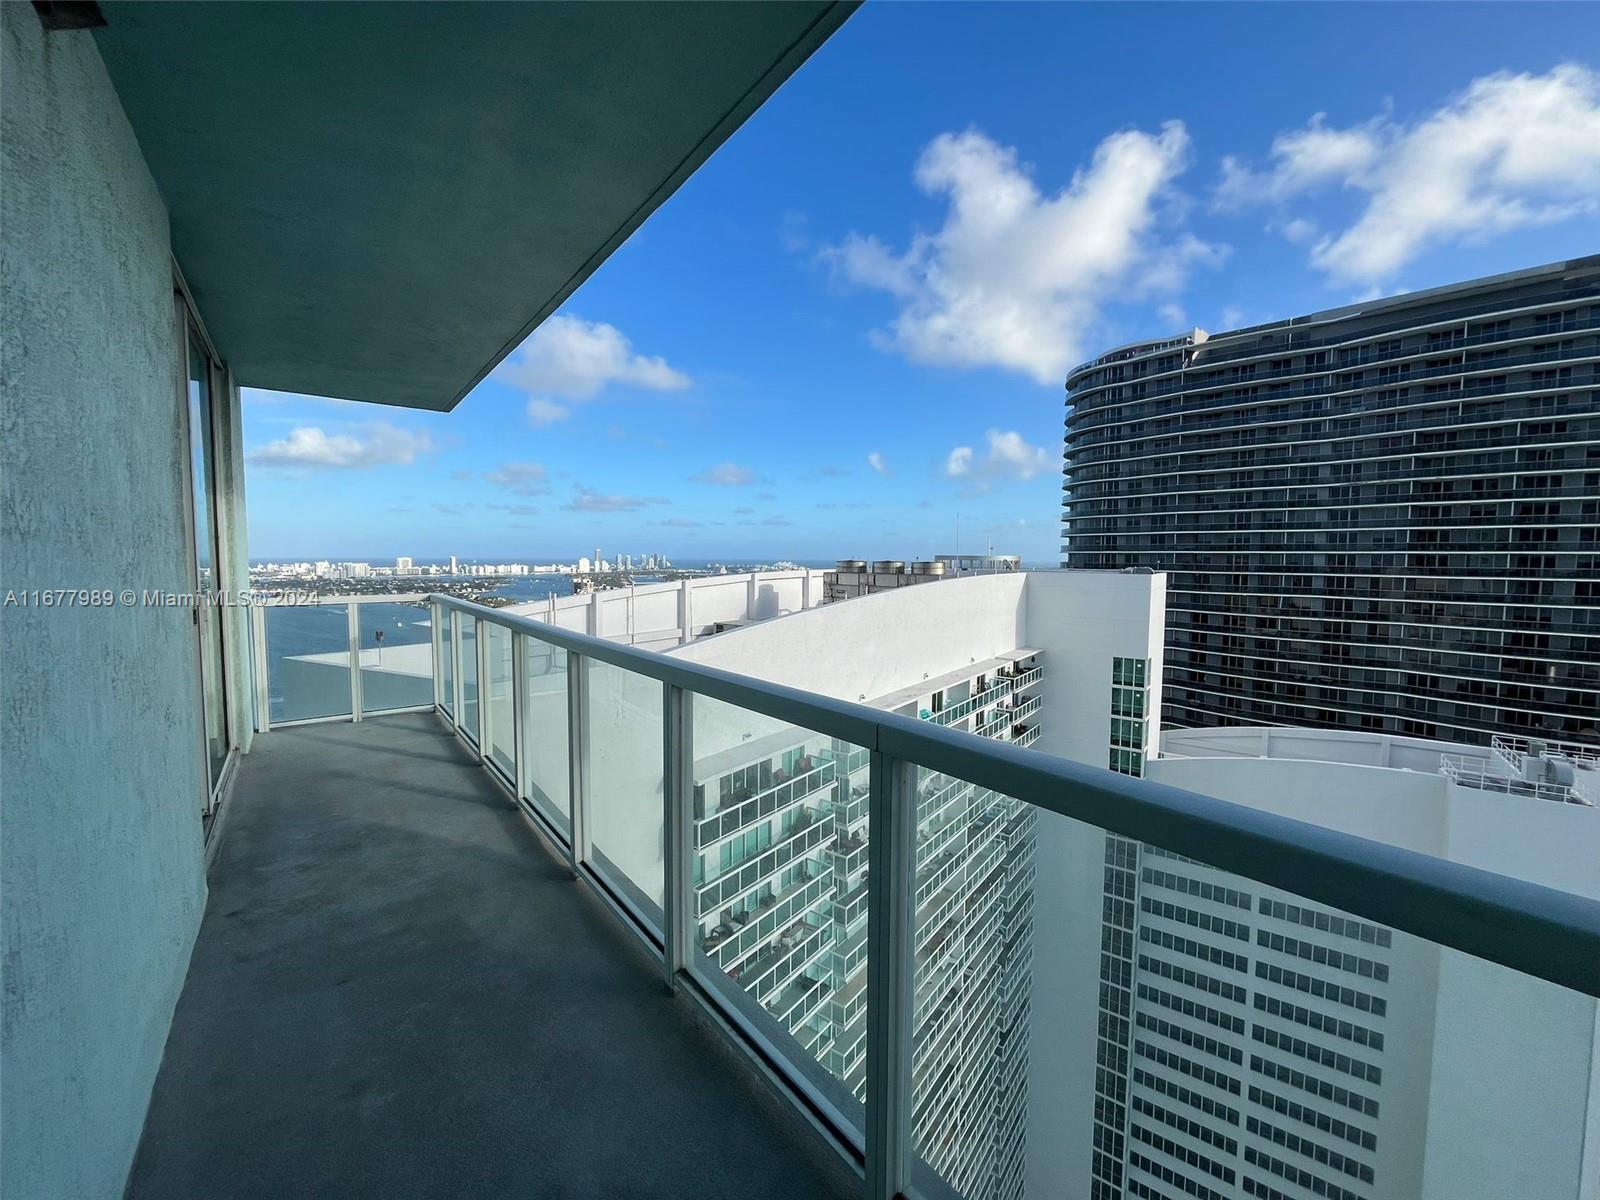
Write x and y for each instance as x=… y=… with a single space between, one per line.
x=597 y=742
x=1470 y=771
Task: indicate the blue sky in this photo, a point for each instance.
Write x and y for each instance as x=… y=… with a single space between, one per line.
x=848 y=330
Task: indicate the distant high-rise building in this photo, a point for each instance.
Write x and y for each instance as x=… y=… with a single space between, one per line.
x=402 y=563
x=453 y=567
x=1380 y=517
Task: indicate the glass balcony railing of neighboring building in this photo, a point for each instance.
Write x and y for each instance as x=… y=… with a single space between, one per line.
x=944 y=963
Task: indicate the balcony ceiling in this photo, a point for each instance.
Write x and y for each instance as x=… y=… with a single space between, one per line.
x=379 y=201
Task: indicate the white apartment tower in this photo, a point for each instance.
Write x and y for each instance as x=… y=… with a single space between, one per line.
x=782 y=834
x=1251 y=1043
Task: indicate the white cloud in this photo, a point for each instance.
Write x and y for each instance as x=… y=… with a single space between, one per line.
x=1173 y=315
x=1511 y=150
x=585 y=500
x=1299 y=230
x=568 y=360
x=543 y=412
x=875 y=461
x=1008 y=456
x=727 y=474
x=376 y=444
x=1016 y=278
x=525 y=479
x=1302 y=159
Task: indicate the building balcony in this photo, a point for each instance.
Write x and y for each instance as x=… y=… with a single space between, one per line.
x=398 y=989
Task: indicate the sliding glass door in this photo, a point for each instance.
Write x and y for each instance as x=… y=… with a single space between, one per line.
x=208 y=575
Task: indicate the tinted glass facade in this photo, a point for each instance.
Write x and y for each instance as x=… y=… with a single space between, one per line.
x=1385 y=517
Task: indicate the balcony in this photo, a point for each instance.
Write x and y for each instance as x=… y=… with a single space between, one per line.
x=398 y=990
x=482 y=921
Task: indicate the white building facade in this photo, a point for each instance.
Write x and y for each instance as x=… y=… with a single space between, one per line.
x=782 y=832
x=1253 y=1044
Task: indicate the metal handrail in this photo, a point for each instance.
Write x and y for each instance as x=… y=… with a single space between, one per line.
x=1539 y=931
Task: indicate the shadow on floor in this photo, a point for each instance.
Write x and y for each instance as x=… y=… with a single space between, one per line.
x=397 y=991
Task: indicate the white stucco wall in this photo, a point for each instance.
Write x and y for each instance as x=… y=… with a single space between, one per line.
x=660 y=616
x=101 y=856
x=872 y=645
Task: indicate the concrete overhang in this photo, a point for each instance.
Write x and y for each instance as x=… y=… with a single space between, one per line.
x=379 y=201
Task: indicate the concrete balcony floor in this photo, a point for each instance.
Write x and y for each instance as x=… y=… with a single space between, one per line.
x=398 y=991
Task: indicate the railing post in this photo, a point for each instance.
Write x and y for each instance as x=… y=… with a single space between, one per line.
x=678 y=788
x=480 y=647
x=519 y=710
x=263 y=704
x=891 y=847
x=435 y=617
x=353 y=625
x=578 y=757
x=457 y=684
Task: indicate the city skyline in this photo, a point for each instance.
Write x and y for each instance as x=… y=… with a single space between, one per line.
x=757 y=371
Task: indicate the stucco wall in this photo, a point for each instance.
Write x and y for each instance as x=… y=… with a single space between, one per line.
x=660 y=616
x=99 y=759
x=873 y=645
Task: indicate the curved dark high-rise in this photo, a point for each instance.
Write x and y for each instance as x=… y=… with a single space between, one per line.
x=1381 y=517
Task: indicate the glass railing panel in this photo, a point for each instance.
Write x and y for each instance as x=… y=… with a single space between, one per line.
x=626 y=805
x=467 y=664
x=448 y=621
x=544 y=733
x=1094 y=1015
x=765 y=941
x=499 y=708
x=396 y=655
x=308 y=661
x=961 y=1023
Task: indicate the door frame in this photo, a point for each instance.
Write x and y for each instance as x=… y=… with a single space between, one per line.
x=189 y=333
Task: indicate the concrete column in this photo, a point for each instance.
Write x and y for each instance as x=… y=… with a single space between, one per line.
x=685 y=608
x=594 y=614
